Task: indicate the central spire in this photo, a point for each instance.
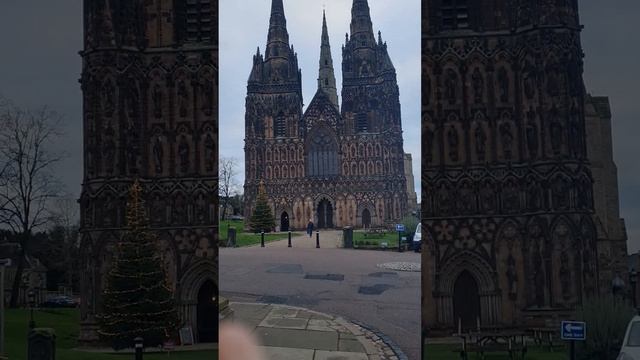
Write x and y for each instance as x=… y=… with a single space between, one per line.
x=326 y=77
x=361 y=25
x=278 y=38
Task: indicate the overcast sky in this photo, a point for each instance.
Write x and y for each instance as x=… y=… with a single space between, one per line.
x=244 y=25
x=39 y=64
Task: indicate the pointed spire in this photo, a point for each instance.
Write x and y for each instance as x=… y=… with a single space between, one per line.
x=278 y=38
x=361 y=23
x=326 y=77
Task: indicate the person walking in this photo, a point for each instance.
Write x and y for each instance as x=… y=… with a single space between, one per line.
x=310 y=228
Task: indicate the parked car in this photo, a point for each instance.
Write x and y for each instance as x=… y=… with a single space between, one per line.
x=60 y=301
x=417 y=238
x=631 y=343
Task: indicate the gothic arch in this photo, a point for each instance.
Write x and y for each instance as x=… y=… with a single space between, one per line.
x=192 y=279
x=483 y=273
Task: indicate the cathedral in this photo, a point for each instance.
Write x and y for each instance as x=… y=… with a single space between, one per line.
x=520 y=203
x=150 y=112
x=336 y=164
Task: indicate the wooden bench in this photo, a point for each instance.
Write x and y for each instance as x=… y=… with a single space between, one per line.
x=545 y=337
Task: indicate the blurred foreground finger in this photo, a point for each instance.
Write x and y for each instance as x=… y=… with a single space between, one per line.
x=237 y=343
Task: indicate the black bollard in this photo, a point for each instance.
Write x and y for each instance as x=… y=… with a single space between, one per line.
x=317 y=239
x=289 y=238
x=139 y=346
x=399 y=241
x=262 y=239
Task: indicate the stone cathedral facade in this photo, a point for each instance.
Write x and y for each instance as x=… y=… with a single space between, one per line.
x=149 y=82
x=338 y=165
x=520 y=202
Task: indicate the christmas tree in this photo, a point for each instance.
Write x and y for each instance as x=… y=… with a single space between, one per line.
x=262 y=218
x=138 y=300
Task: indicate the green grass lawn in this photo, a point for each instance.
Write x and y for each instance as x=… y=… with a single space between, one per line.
x=244 y=238
x=451 y=352
x=65 y=322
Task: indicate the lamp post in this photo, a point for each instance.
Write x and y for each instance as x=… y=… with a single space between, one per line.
x=31 y=296
x=3 y=264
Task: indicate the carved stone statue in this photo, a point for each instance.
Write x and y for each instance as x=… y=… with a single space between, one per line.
x=539 y=284
x=534 y=196
x=182 y=98
x=556 y=132
x=426 y=89
x=565 y=275
x=481 y=140
x=183 y=153
x=529 y=81
x=158 y=154
x=207 y=101
x=506 y=135
x=552 y=81
x=452 y=137
x=512 y=277
x=201 y=209
x=487 y=198
x=132 y=101
x=109 y=150
x=209 y=153
x=451 y=84
x=428 y=143
x=560 y=194
x=503 y=85
x=157 y=101
x=532 y=136
x=478 y=86
x=108 y=99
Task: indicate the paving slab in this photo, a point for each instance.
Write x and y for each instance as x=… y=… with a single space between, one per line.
x=293 y=333
x=350 y=345
x=285 y=323
x=301 y=339
x=337 y=355
x=281 y=353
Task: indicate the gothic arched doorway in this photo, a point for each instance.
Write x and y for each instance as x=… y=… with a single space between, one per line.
x=207 y=313
x=325 y=214
x=366 y=218
x=284 y=221
x=466 y=301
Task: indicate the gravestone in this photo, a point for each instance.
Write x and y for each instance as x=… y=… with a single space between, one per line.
x=41 y=344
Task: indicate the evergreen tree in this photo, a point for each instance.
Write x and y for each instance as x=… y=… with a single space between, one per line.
x=262 y=218
x=138 y=300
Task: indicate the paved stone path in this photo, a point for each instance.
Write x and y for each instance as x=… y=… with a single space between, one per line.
x=293 y=333
x=329 y=239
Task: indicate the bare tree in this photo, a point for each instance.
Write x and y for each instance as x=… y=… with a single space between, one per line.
x=27 y=185
x=65 y=215
x=227 y=182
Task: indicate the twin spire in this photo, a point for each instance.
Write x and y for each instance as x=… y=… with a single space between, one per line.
x=278 y=41
x=326 y=76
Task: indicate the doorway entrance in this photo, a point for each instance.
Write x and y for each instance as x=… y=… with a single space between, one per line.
x=208 y=313
x=466 y=301
x=366 y=218
x=325 y=214
x=284 y=222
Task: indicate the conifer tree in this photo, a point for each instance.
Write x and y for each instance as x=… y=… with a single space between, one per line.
x=262 y=218
x=138 y=300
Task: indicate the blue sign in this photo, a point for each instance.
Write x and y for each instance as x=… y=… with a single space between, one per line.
x=573 y=330
x=399 y=227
